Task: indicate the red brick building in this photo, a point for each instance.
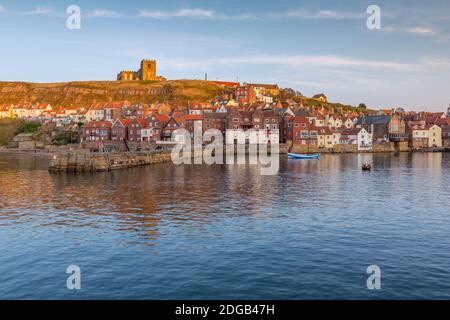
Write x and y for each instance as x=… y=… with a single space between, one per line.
x=96 y=131
x=119 y=130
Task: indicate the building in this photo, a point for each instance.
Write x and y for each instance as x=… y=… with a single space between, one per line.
x=6 y=111
x=434 y=136
x=384 y=127
x=96 y=131
x=301 y=131
x=145 y=73
x=119 y=129
x=215 y=120
x=135 y=127
x=348 y=123
x=324 y=138
x=418 y=133
x=227 y=84
x=446 y=136
x=245 y=94
x=95 y=113
x=320 y=97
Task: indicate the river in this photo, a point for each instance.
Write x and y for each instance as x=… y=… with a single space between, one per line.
x=227 y=232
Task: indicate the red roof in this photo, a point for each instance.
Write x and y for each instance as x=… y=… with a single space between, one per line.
x=228 y=84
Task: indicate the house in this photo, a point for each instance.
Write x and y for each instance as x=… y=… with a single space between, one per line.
x=119 y=129
x=301 y=131
x=227 y=84
x=34 y=111
x=320 y=97
x=318 y=120
x=349 y=136
x=418 y=133
x=337 y=135
x=245 y=94
x=194 y=121
x=348 y=123
x=264 y=89
x=135 y=126
x=113 y=110
x=156 y=123
x=334 y=121
x=446 y=136
x=215 y=120
x=21 y=111
x=171 y=125
x=95 y=113
x=96 y=131
x=324 y=138
x=434 y=136
x=384 y=127
x=272 y=125
x=288 y=131
x=364 y=140
x=6 y=111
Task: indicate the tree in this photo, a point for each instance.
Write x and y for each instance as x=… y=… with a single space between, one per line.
x=362 y=106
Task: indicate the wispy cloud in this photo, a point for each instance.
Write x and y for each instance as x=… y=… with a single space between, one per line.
x=321 y=14
x=324 y=62
x=2 y=9
x=423 y=31
x=182 y=13
x=104 y=13
x=39 y=10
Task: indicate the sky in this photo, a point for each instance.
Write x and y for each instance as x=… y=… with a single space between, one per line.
x=312 y=46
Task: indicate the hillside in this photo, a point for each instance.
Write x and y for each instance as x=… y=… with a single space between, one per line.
x=8 y=129
x=176 y=92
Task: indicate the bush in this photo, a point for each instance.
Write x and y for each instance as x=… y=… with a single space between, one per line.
x=28 y=127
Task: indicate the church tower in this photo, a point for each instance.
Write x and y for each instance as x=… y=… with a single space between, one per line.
x=148 y=70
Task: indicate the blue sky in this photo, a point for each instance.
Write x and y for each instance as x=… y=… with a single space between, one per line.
x=312 y=46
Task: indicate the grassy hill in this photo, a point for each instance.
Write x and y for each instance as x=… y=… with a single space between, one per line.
x=176 y=92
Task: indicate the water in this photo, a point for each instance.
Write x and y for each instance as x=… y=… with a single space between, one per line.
x=223 y=232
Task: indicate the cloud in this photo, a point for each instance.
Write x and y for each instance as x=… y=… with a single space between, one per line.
x=39 y=10
x=321 y=14
x=423 y=31
x=182 y=13
x=2 y=9
x=103 y=13
x=324 y=62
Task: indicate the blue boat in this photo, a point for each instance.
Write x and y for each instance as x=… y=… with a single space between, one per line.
x=303 y=156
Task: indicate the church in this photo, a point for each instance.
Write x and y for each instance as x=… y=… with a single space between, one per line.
x=145 y=73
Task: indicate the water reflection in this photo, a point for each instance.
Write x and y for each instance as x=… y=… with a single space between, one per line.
x=205 y=223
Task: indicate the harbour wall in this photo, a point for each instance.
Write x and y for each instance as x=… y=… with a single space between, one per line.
x=85 y=161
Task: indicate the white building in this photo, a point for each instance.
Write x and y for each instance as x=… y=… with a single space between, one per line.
x=364 y=140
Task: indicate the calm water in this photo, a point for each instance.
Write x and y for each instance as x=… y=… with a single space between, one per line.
x=220 y=232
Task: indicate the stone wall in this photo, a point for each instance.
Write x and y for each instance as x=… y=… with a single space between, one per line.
x=99 y=161
x=352 y=148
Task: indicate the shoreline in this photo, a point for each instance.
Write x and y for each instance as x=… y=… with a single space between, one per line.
x=48 y=152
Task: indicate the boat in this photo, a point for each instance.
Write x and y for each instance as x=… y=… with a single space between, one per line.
x=303 y=156
x=366 y=167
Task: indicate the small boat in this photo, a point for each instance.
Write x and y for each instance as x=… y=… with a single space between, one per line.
x=366 y=166
x=303 y=156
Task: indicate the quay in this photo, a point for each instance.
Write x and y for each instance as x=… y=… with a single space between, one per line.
x=85 y=161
